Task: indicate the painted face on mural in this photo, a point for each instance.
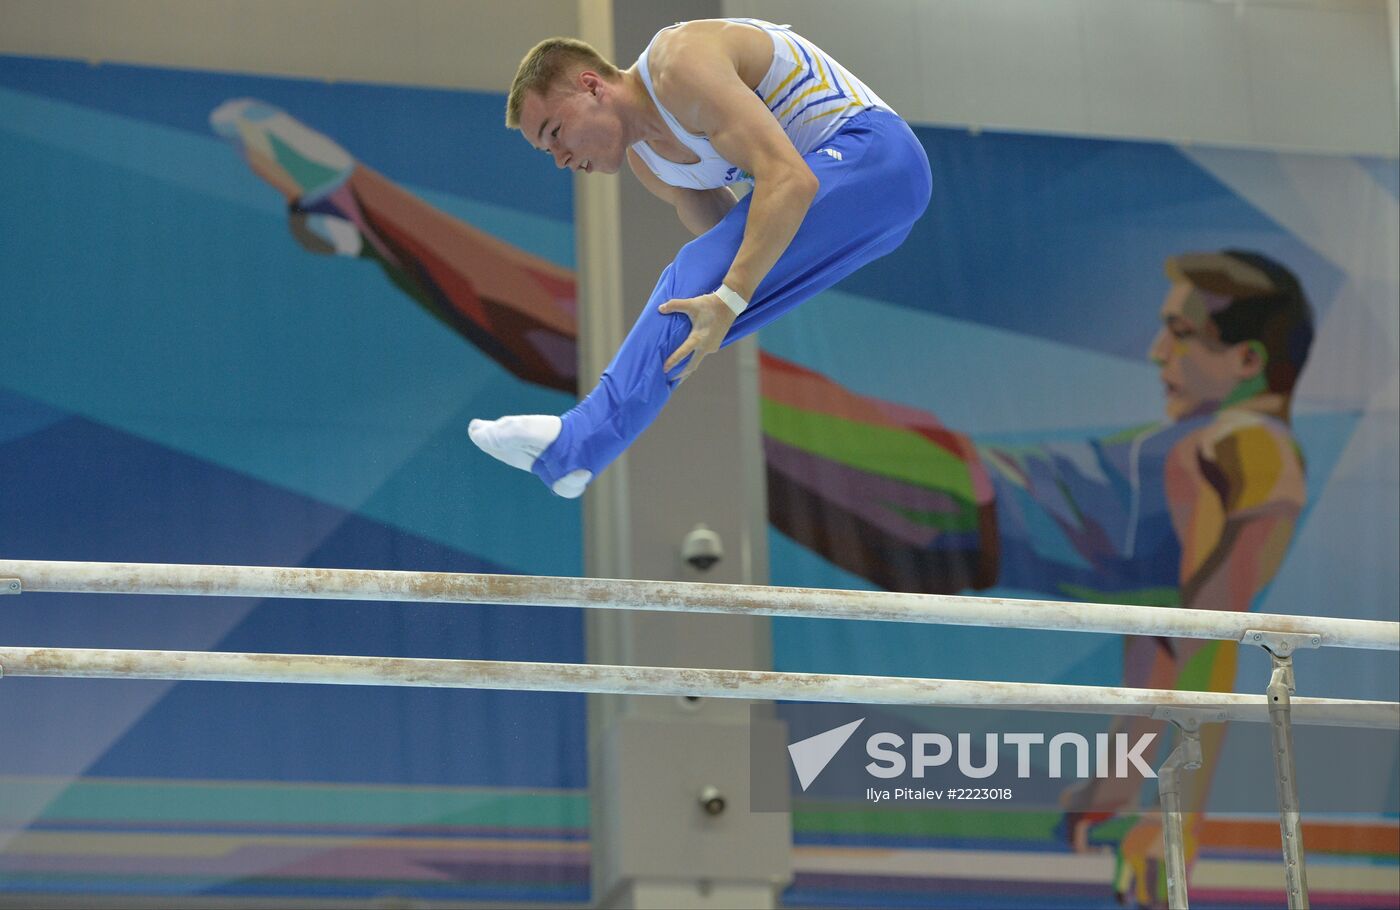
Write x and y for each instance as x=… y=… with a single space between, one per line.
x=1200 y=372
x=578 y=125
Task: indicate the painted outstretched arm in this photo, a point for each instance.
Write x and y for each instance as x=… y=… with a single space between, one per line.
x=517 y=308
x=882 y=490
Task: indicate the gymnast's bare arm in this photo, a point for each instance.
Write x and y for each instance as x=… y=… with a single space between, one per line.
x=696 y=75
x=699 y=210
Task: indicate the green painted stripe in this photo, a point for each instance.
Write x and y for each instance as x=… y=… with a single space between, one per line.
x=899 y=454
x=1129 y=434
x=1196 y=675
x=310 y=175
x=964 y=519
x=317 y=804
x=1006 y=825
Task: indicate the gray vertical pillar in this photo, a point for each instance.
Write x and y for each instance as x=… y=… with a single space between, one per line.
x=1392 y=12
x=654 y=845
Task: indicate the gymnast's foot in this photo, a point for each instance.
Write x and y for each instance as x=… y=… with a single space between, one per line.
x=518 y=441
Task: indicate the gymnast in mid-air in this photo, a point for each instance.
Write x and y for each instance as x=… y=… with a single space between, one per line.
x=838 y=179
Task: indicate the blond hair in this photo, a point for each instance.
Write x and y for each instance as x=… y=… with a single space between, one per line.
x=547 y=64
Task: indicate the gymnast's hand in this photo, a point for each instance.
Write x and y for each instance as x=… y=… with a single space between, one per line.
x=710 y=320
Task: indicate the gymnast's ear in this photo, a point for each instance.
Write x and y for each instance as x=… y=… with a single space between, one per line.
x=1253 y=358
x=591 y=83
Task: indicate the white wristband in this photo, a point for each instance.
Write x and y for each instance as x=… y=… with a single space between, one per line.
x=731 y=299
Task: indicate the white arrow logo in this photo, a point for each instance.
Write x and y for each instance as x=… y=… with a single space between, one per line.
x=810 y=756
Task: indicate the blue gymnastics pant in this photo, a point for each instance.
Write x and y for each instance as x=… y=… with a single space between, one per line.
x=872 y=190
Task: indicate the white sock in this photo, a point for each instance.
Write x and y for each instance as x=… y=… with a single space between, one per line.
x=520 y=440
x=572 y=484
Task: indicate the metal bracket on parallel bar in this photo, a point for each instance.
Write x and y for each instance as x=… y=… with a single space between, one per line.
x=1186 y=756
x=1281 y=644
x=1189 y=719
x=10 y=586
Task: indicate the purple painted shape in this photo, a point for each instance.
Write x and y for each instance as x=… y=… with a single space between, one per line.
x=1045 y=479
x=359 y=863
x=556 y=855
x=252 y=828
x=862 y=493
x=253 y=861
x=267 y=861
x=438 y=864
x=1269 y=897
x=448 y=865
x=525 y=874
x=559 y=352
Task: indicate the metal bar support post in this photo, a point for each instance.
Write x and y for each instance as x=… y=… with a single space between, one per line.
x=1280 y=700
x=1186 y=756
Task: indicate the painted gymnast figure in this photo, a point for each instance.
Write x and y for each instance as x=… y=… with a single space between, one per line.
x=1196 y=509
x=838 y=181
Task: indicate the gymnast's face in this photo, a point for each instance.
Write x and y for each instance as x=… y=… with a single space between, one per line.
x=576 y=124
x=1198 y=370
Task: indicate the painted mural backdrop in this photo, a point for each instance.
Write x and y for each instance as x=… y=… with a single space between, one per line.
x=1106 y=372
x=276 y=302
x=247 y=320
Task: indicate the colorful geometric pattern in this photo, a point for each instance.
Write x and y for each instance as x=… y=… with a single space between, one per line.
x=1004 y=321
x=198 y=789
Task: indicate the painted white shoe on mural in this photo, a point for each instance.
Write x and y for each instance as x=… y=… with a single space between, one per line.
x=311 y=161
x=520 y=440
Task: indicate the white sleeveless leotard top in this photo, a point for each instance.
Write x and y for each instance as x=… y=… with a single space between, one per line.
x=811 y=95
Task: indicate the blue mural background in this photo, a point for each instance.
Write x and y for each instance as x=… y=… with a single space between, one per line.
x=182 y=383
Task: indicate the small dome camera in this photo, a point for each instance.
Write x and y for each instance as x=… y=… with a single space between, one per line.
x=712 y=801
x=701 y=548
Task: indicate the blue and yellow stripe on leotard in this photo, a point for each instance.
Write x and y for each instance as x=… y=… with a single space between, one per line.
x=812 y=74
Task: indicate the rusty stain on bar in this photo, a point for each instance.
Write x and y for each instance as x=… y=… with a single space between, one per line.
x=613 y=680
x=684 y=597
